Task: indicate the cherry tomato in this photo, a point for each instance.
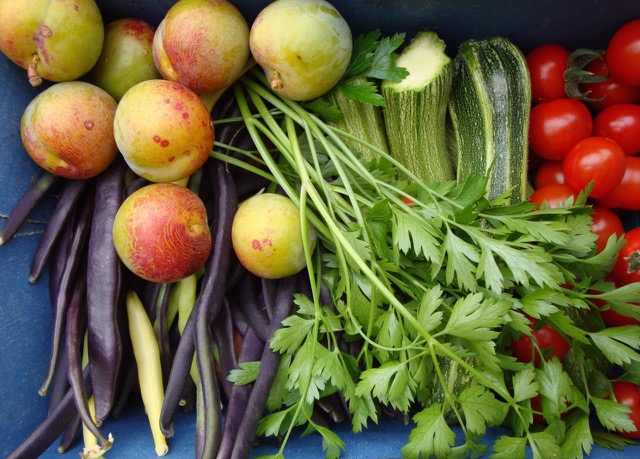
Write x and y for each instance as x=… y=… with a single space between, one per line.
x=547 y=339
x=621 y=123
x=557 y=125
x=609 y=92
x=627 y=194
x=610 y=317
x=605 y=223
x=623 y=53
x=594 y=159
x=627 y=267
x=628 y=394
x=548 y=172
x=547 y=64
x=555 y=194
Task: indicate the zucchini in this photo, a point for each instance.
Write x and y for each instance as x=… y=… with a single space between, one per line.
x=489 y=108
x=415 y=109
x=362 y=120
x=457 y=378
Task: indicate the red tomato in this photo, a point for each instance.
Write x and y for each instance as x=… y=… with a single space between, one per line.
x=609 y=92
x=547 y=64
x=594 y=159
x=623 y=53
x=557 y=125
x=610 y=317
x=627 y=267
x=628 y=394
x=621 y=123
x=548 y=172
x=605 y=223
x=547 y=340
x=627 y=194
x=555 y=194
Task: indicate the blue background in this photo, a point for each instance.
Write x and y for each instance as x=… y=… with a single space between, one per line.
x=25 y=311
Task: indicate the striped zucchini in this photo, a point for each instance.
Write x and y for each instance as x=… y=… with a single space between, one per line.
x=415 y=109
x=361 y=119
x=489 y=109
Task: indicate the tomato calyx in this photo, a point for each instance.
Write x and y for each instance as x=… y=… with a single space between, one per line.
x=634 y=262
x=577 y=74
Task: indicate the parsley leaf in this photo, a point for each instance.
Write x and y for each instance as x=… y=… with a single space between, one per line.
x=372 y=59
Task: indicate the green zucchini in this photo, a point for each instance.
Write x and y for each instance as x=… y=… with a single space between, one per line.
x=415 y=109
x=489 y=108
x=360 y=119
x=457 y=378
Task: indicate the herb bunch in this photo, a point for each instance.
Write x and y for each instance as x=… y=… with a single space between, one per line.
x=413 y=283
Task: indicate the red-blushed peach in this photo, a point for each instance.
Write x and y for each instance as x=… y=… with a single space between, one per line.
x=161 y=232
x=163 y=130
x=268 y=238
x=67 y=129
x=203 y=44
x=126 y=58
x=53 y=40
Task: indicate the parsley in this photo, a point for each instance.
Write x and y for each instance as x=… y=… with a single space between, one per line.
x=372 y=58
x=431 y=294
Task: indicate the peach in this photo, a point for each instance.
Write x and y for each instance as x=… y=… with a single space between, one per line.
x=163 y=130
x=161 y=232
x=203 y=44
x=68 y=129
x=268 y=238
x=126 y=58
x=54 y=40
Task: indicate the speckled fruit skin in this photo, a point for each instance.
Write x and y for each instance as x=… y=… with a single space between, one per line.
x=54 y=40
x=267 y=236
x=67 y=129
x=203 y=44
x=303 y=46
x=126 y=58
x=163 y=130
x=161 y=232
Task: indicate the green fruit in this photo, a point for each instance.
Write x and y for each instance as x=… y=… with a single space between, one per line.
x=303 y=46
x=126 y=58
x=54 y=40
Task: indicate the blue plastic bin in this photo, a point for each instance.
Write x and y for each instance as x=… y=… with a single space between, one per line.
x=25 y=311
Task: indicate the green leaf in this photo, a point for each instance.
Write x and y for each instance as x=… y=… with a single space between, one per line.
x=578 y=439
x=524 y=384
x=509 y=448
x=431 y=436
x=481 y=409
x=462 y=258
x=417 y=234
x=323 y=108
x=618 y=344
x=612 y=440
x=245 y=374
x=475 y=317
x=544 y=445
x=332 y=444
x=429 y=314
x=389 y=383
x=290 y=336
x=613 y=415
x=366 y=92
x=383 y=65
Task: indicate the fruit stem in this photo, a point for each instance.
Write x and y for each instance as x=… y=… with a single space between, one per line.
x=32 y=71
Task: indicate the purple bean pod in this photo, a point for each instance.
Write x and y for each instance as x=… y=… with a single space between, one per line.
x=104 y=279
